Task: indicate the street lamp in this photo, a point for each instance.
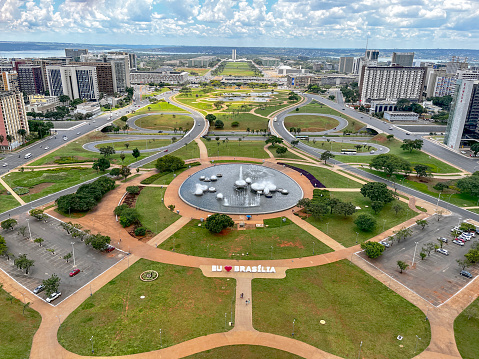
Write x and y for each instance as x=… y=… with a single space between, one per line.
x=271 y=252
x=29 y=231
x=417 y=339
x=438 y=198
x=161 y=341
x=292 y=334
x=313 y=248
x=73 y=250
x=357 y=234
x=384 y=224
x=360 y=345
x=91 y=339
x=414 y=255
x=156 y=222
x=327 y=228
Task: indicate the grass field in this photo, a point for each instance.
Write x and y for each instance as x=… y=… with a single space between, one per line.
x=140 y=144
x=153 y=213
x=77 y=154
x=45 y=182
x=475 y=210
x=288 y=154
x=287 y=239
x=161 y=106
x=185 y=153
x=345 y=231
x=246 y=120
x=165 y=122
x=7 y=201
x=415 y=157
x=466 y=331
x=243 y=351
x=254 y=149
x=329 y=178
x=237 y=69
x=182 y=302
x=355 y=306
x=16 y=329
x=336 y=146
x=310 y=123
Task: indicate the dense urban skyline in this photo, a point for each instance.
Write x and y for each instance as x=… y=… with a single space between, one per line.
x=317 y=23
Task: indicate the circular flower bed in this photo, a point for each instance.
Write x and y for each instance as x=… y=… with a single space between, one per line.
x=21 y=190
x=149 y=275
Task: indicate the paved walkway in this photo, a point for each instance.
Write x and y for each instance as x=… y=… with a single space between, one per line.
x=9 y=189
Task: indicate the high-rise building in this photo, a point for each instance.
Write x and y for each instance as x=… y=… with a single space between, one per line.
x=404 y=59
x=12 y=119
x=30 y=79
x=73 y=81
x=9 y=81
x=120 y=64
x=456 y=64
x=233 y=55
x=104 y=73
x=49 y=61
x=463 y=123
x=391 y=83
x=75 y=53
x=201 y=61
x=372 y=57
x=346 y=64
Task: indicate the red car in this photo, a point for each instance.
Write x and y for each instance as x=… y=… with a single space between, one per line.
x=165 y=150
x=109 y=248
x=74 y=272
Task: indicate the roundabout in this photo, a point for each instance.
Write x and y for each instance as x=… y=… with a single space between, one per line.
x=165 y=121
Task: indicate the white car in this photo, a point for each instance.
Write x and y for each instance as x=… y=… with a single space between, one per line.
x=53 y=297
x=442 y=251
x=5 y=165
x=46 y=147
x=385 y=244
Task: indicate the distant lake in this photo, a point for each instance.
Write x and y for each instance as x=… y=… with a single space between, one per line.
x=37 y=53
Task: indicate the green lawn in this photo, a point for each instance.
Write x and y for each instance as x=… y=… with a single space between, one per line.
x=345 y=231
x=355 y=306
x=329 y=178
x=246 y=120
x=415 y=157
x=310 y=123
x=77 y=154
x=288 y=154
x=200 y=71
x=185 y=153
x=7 y=201
x=45 y=182
x=237 y=69
x=243 y=351
x=165 y=122
x=192 y=101
x=269 y=108
x=254 y=149
x=337 y=145
x=161 y=106
x=182 y=302
x=287 y=239
x=140 y=144
x=16 y=329
x=316 y=107
x=153 y=213
x=466 y=331
x=475 y=210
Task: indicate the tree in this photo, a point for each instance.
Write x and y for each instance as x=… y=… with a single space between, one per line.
x=133 y=189
x=22 y=133
x=365 y=222
x=377 y=191
x=136 y=153
x=274 y=140
x=22 y=230
x=8 y=224
x=128 y=217
x=403 y=233
x=37 y=213
x=281 y=150
x=332 y=97
x=123 y=118
x=472 y=255
x=67 y=256
x=219 y=124
x=469 y=185
x=107 y=151
x=397 y=208
x=422 y=222
x=429 y=248
x=410 y=145
x=210 y=118
x=326 y=155
x=22 y=262
x=125 y=171
x=115 y=172
x=466 y=227
x=295 y=143
x=51 y=284
x=402 y=266
x=345 y=209
x=441 y=186
x=122 y=156
x=377 y=206
x=390 y=137
x=101 y=164
x=39 y=241
x=474 y=148
x=3 y=246
x=169 y=163
x=390 y=164
x=125 y=127
x=422 y=255
x=372 y=249
x=98 y=241
x=463 y=263
x=423 y=170
x=217 y=222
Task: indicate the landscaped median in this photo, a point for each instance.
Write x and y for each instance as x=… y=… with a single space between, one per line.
x=126 y=315
x=354 y=306
x=466 y=330
x=7 y=201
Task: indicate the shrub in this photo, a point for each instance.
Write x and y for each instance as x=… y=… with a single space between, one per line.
x=129 y=216
x=440 y=186
x=365 y=222
x=119 y=209
x=21 y=190
x=235 y=123
x=140 y=231
x=133 y=189
x=217 y=222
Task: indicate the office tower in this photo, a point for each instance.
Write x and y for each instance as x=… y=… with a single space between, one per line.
x=30 y=79
x=9 y=81
x=372 y=57
x=73 y=81
x=456 y=64
x=75 y=53
x=12 y=118
x=404 y=59
x=463 y=123
x=346 y=64
x=391 y=83
x=233 y=55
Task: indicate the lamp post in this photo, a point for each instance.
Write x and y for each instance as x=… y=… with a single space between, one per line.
x=73 y=251
x=327 y=228
x=357 y=235
x=360 y=345
x=156 y=222
x=271 y=252
x=225 y=322
x=292 y=334
x=384 y=224
x=417 y=340
x=414 y=255
x=29 y=231
x=91 y=339
x=313 y=248
x=438 y=198
x=161 y=341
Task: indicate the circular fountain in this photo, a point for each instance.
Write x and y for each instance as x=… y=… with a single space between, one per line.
x=240 y=189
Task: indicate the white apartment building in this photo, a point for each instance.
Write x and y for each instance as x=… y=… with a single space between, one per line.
x=391 y=83
x=13 y=117
x=73 y=81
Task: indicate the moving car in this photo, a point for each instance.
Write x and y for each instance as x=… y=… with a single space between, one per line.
x=65 y=138
x=165 y=150
x=465 y=273
x=53 y=297
x=39 y=289
x=74 y=272
x=46 y=147
x=5 y=165
x=442 y=251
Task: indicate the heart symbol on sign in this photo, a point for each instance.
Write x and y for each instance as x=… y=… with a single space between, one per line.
x=228 y=268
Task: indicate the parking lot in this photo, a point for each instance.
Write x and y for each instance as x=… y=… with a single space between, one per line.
x=436 y=278
x=90 y=261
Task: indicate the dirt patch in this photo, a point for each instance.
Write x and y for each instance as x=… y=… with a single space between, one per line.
x=130 y=199
x=380 y=138
x=40 y=187
x=291 y=244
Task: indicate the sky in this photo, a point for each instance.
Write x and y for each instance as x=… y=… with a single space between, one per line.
x=278 y=23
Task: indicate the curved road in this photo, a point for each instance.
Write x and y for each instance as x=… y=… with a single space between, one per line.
x=460 y=161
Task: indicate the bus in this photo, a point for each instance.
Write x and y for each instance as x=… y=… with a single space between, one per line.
x=302 y=138
x=348 y=152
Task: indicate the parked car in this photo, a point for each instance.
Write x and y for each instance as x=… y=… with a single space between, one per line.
x=74 y=272
x=53 y=297
x=442 y=239
x=465 y=236
x=65 y=138
x=465 y=273
x=385 y=244
x=109 y=248
x=442 y=251
x=39 y=289
x=458 y=242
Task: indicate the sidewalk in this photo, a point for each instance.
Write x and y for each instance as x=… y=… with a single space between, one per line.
x=12 y=192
